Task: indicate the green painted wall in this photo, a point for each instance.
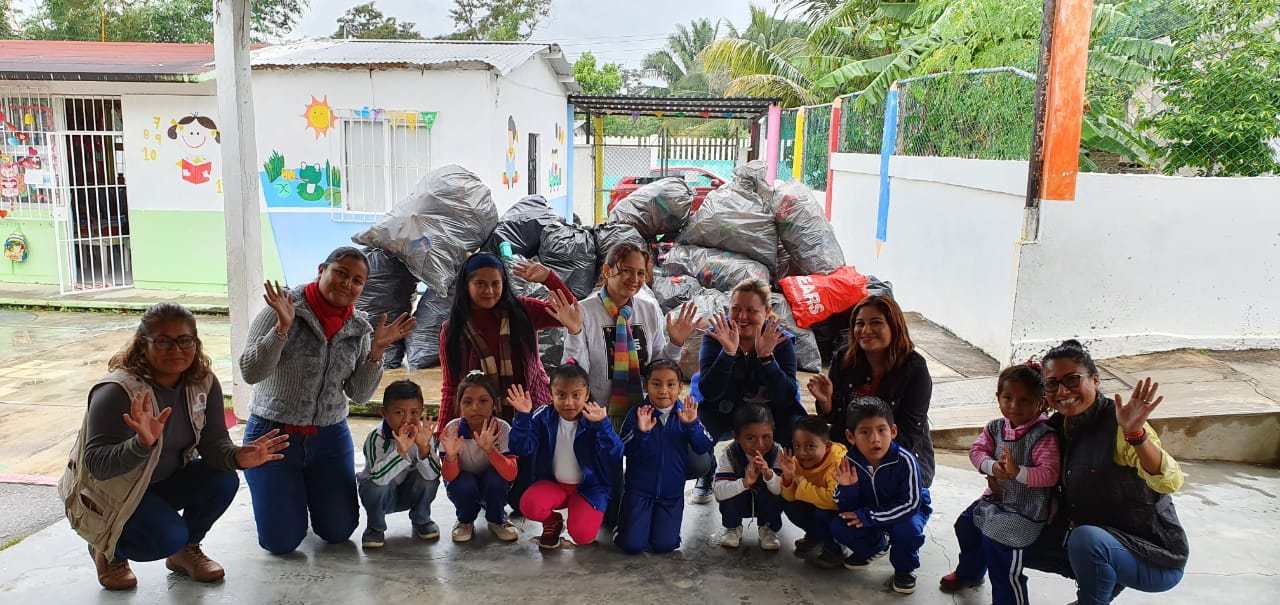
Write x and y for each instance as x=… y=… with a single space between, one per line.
x=186 y=250
x=41 y=266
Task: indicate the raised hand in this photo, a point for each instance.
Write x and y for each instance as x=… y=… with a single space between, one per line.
x=140 y=418
x=750 y=474
x=1133 y=416
x=725 y=331
x=762 y=467
x=386 y=333
x=533 y=271
x=688 y=413
x=422 y=438
x=280 y=301
x=822 y=390
x=788 y=464
x=593 y=412
x=845 y=473
x=404 y=437
x=771 y=334
x=262 y=450
x=644 y=419
x=681 y=325
x=1005 y=468
x=487 y=437
x=519 y=399
x=451 y=443
x=567 y=311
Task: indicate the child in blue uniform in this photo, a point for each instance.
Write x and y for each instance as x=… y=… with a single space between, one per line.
x=748 y=480
x=657 y=437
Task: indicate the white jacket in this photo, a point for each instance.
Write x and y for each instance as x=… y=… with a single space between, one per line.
x=591 y=351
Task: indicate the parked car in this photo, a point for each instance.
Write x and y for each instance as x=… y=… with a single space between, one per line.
x=702 y=181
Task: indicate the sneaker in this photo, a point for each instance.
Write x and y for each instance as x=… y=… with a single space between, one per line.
x=952 y=582
x=462 y=532
x=551 y=529
x=427 y=531
x=702 y=493
x=113 y=575
x=903 y=583
x=805 y=548
x=731 y=537
x=191 y=561
x=826 y=559
x=769 y=539
x=504 y=531
x=372 y=538
x=853 y=561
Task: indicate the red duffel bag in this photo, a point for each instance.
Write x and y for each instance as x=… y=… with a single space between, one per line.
x=814 y=298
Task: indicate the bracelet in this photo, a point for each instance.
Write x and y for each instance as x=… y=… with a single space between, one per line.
x=1136 y=439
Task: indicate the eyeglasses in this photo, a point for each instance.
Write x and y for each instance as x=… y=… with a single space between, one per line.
x=164 y=343
x=1071 y=381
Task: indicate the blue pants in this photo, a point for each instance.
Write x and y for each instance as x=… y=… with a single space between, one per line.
x=317 y=478
x=470 y=491
x=758 y=502
x=905 y=539
x=414 y=494
x=649 y=523
x=1100 y=563
x=815 y=522
x=980 y=555
x=156 y=530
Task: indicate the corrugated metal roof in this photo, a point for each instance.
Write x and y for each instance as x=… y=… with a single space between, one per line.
x=499 y=56
x=127 y=61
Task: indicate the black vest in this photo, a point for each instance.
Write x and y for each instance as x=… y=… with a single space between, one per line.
x=1097 y=491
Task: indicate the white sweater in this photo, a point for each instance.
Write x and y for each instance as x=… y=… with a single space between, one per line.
x=590 y=349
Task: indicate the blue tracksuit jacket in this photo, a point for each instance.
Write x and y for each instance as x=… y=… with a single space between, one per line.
x=887 y=494
x=533 y=436
x=656 y=459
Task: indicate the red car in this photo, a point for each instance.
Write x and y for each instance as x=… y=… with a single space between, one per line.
x=702 y=181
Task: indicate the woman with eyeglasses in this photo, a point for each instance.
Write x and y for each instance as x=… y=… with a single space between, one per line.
x=309 y=354
x=153 y=467
x=1116 y=525
x=880 y=360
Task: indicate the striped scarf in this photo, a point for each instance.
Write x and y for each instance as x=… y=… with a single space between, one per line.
x=498 y=368
x=625 y=389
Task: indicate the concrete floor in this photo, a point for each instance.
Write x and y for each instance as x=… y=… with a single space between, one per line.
x=1229 y=510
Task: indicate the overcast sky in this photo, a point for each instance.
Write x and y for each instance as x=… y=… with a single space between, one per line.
x=617 y=31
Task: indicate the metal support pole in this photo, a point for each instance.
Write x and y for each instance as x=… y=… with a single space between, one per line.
x=597 y=157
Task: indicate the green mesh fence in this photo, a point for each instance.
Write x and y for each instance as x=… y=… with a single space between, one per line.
x=986 y=116
x=817 y=128
x=861 y=128
x=786 y=143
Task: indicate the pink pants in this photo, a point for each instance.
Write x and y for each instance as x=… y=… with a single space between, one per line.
x=544 y=497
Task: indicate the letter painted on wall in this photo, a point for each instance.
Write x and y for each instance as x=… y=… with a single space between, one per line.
x=309 y=185
x=319 y=116
x=555 y=174
x=511 y=173
x=198 y=135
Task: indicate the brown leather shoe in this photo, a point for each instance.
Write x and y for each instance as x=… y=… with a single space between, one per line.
x=551 y=528
x=113 y=575
x=191 y=561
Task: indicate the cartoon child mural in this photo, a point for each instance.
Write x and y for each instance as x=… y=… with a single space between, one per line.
x=511 y=175
x=195 y=132
x=555 y=175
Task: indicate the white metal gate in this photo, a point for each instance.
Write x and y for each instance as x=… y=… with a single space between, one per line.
x=379 y=157
x=63 y=160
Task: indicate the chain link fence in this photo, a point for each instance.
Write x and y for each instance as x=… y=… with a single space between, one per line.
x=787 y=143
x=978 y=114
x=817 y=145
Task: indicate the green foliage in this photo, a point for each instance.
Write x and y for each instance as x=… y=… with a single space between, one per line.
x=861 y=126
x=367 y=22
x=149 y=20
x=6 y=23
x=497 y=20
x=981 y=116
x=678 y=64
x=604 y=80
x=1221 y=98
x=817 y=126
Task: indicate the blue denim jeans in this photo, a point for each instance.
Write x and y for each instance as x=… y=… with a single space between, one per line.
x=156 y=530
x=414 y=494
x=1100 y=562
x=317 y=478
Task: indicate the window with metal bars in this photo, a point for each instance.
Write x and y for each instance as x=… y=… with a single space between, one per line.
x=383 y=157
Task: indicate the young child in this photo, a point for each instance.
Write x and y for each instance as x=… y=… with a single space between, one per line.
x=1020 y=453
x=808 y=489
x=571 y=446
x=477 y=468
x=401 y=471
x=657 y=438
x=748 y=481
x=881 y=500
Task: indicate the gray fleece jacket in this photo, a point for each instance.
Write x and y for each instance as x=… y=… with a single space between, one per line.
x=303 y=379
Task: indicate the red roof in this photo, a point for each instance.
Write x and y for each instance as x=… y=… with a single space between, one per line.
x=119 y=61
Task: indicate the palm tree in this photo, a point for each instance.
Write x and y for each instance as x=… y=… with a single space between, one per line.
x=678 y=65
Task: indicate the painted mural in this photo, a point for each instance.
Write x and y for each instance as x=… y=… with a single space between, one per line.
x=319 y=116
x=25 y=154
x=555 y=173
x=307 y=185
x=198 y=135
x=511 y=173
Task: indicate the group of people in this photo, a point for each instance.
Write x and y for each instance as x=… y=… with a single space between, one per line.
x=608 y=437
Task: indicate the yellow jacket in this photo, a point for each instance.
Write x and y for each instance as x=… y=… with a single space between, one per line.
x=817 y=485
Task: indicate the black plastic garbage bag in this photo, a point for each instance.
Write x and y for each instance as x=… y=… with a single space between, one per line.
x=675 y=290
x=657 y=208
x=388 y=291
x=804 y=231
x=424 y=341
x=522 y=226
x=715 y=269
x=571 y=252
x=808 y=356
x=736 y=219
x=609 y=235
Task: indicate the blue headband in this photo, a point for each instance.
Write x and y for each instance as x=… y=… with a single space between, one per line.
x=481 y=260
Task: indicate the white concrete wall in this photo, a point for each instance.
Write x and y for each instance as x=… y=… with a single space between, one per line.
x=154 y=162
x=532 y=96
x=951 y=247
x=584 y=183
x=1142 y=263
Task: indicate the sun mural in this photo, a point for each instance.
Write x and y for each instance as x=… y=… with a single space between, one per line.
x=319 y=116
